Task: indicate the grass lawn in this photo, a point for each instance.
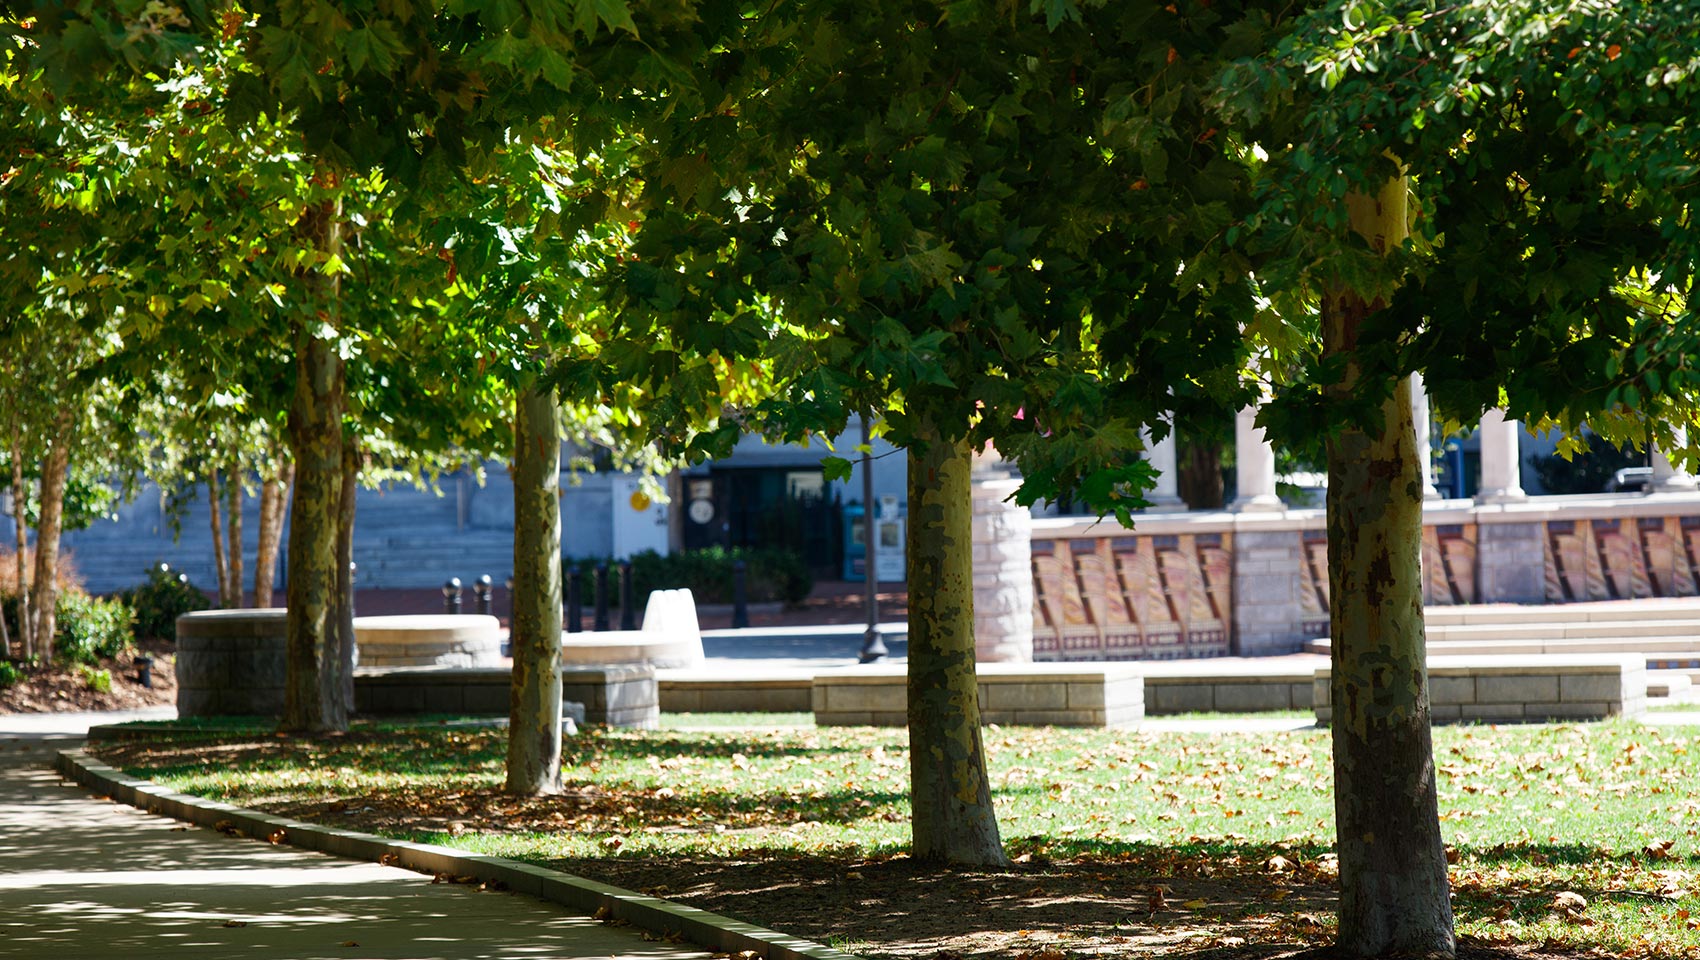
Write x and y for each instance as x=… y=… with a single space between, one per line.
x=1147 y=842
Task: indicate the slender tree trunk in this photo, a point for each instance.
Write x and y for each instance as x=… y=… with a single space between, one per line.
x=312 y=700
x=534 y=710
x=20 y=514
x=219 y=567
x=233 y=526
x=1393 y=888
x=1200 y=475
x=345 y=571
x=952 y=818
x=54 y=471
x=274 y=497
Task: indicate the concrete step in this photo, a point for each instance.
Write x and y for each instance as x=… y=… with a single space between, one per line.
x=1673 y=685
x=1564 y=629
x=1660 y=608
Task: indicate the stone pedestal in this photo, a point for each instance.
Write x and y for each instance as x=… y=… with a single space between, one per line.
x=1003 y=569
x=1254 y=469
x=1161 y=454
x=1667 y=477
x=231 y=662
x=1511 y=563
x=1269 y=615
x=1502 y=480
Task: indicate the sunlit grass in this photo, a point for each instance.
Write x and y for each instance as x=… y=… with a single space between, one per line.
x=1607 y=810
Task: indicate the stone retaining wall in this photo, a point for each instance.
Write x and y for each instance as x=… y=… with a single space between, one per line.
x=1064 y=695
x=619 y=696
x=1496 y=689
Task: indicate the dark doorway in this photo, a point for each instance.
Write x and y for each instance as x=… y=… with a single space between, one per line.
x=785 y=507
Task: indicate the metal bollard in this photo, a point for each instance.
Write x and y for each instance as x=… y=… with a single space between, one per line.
x=601 y=596
x=575 y=602
x=628 y=613
x=740 y=597
x=144 y=670
x=485 y=593
x=451 y=595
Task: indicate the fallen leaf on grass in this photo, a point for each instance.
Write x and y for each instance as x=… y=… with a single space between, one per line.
x=389 y=860
x=1658 y=849
x=1198 y=904
x=236 y=923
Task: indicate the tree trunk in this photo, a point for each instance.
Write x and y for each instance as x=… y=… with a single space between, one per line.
x=233 y=528
x=1199 y=476
x=312 y=700
x=534 y=706
x=54 y=471
x=1393 y=888
x=20 y=514
x=952 y=817
x=219 y=567
x=274 y=499
x=344 y=614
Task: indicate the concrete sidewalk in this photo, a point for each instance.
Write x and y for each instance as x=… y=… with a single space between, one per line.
x=86 y=877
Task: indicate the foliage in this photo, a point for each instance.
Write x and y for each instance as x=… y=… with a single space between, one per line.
x=92 y=628
x=1588 y=471
x=10 y=674
x=770 y=574
x=1604 y=809
x=160 y=600
x=98 y=680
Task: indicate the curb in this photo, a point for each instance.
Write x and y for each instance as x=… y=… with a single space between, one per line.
x=718 y=933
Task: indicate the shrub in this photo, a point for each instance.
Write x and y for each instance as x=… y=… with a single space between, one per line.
x=158 y=603
x=100 y=681
x=92 y=628
x=65 y=569
x=10 y=674
x=770 y=574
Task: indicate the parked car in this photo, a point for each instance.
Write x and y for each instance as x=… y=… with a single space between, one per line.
x=1630 y=480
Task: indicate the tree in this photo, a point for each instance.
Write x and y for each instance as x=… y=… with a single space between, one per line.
x=965 y=220
x=1547 y=273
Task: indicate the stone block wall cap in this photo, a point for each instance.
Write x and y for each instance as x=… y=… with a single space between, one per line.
x=458 y=622
x=246 y=614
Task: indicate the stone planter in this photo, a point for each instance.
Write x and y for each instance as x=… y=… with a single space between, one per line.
x=231 y=663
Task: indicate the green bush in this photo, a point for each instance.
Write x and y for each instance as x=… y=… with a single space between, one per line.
x=158 y=603
x=100 y=681
x=770 y=574
x=91 y=628
x=10 y=674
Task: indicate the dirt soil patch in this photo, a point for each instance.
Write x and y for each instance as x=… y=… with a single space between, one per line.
x=60 y=689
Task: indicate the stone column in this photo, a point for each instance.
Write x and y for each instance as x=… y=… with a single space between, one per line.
x=1667 y=476
x=1501 y=461
x=1003 y=566
x=1255 y=466
x=1420 y=417
x=1161 y=453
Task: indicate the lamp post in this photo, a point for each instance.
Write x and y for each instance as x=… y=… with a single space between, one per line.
x=873 y=648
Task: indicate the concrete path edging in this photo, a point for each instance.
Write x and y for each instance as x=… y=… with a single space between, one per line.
x=710 y=930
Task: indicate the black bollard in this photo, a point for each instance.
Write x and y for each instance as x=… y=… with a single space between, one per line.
x=485 y=592
x=575 y=602
x=601 y=596
x=451 y=595
x=740 y=597
x=628 y=612
x=144 y=671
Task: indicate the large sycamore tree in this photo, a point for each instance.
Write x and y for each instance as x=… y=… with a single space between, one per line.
x=939 y=213
x=1495 y=195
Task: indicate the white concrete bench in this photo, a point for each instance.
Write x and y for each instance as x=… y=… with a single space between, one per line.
x=1498 y=689
x=669 y=639
x=429 y=640
x=1016 y=694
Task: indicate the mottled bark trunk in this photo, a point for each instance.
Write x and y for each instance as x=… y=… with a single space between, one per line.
x=233 y=527
x=20 y=514
x=952 y=817
x=312 y=700
x=274 y=501
x=54 y=471
x=1393 y=888
x=344 y=613
x=220 y=569
x=534 y=707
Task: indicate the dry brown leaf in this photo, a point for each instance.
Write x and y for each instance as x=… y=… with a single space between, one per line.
x=1278 y=864
x=1198 y=904
x=226 y=827
x=236 y=923
x=277 y=837
x=1658 y=849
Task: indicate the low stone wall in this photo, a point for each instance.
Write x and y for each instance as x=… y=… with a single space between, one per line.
x=231 y=663
x=1028 y=694
x=618 y=696
x=773 y=692
x=1500 y=689
x=1215 y=688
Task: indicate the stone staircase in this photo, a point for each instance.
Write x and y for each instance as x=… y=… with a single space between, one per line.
x=1665 y=631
